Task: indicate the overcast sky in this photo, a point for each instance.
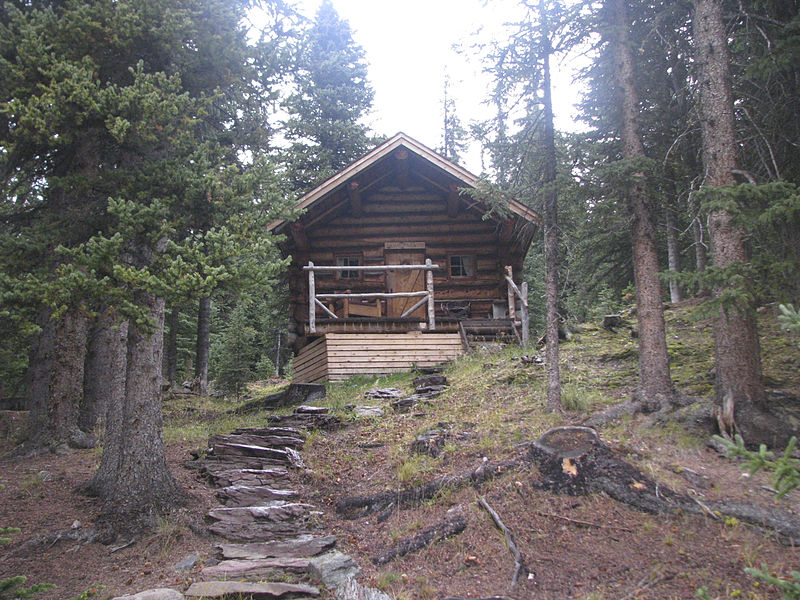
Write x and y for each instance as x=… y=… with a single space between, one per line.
x=409 y=48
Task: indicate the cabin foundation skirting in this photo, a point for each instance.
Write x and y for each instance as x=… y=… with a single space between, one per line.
x=339 y=356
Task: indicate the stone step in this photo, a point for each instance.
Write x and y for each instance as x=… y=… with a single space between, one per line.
x=257 y=591
x=251 y=477
x=245 y=495
x=267 y=431
x=269 y=441
x=300 y=547
x=256 y=569
x=273 y=511
x=258 y=531
x=230 y=462
x=249 y=450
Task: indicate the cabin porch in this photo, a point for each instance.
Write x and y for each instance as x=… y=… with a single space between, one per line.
x=339 y=356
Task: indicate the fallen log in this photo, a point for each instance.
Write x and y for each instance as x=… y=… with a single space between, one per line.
x=355 y=507
x=440 y=531
x=574 y=461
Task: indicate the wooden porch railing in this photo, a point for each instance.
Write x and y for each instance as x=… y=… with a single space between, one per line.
x=425 y=296
x=520 y=292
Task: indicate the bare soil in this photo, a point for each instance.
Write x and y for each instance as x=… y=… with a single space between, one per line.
x=587 y=547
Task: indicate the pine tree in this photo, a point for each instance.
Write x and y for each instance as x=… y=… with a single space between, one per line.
x=118 y=135
x=331 y=98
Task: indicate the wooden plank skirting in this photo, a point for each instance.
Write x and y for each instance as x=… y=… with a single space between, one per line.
x=339 y=356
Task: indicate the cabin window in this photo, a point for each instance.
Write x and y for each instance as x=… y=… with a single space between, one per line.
x=462 y=266
x=348 y=261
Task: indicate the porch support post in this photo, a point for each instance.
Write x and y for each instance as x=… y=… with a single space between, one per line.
x=526 y=332
x=312 y=300
x=429 y=287
x=512 y=303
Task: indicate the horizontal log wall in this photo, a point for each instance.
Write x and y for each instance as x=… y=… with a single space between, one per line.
x=339 y=356
x=390 y=214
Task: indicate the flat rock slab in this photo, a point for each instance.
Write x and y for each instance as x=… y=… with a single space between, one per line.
x=274 y=511
x=257 y=532
x=260 y=568
x=269 y=441
x=300 y=547
x=352 y=590
x=384 y=393
x=237 y=449
x=156 y=594
x=267 y=431
x=244 y=495
x=231 y=462
x=258 y=591
x=368 y=411
x=251 y=477
x=429 y=381
x=333 y=568
x=307 y=420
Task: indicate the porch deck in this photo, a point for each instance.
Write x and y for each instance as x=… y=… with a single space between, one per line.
x=339 y=356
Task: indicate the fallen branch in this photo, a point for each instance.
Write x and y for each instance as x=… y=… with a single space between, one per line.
x=586 y=523
x=442 y=530
x=354 y=507
x=519 y=563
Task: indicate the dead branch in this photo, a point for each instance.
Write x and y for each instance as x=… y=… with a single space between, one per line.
x=354 y=507
x=519 y=563
x=585 y=523
x=440 y=531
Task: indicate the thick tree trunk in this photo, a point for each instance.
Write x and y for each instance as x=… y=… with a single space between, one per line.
x=106 y=372
x=141 y=486
x=551 y=257
x=56 y=384
x=171 y=346
x=739 y=381
x=655 y=388
x=203 y=341
x=673 y=254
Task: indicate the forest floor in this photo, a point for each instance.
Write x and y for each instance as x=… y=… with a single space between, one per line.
x=589 y=547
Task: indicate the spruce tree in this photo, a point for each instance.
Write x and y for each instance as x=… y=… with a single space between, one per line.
x=331 y=97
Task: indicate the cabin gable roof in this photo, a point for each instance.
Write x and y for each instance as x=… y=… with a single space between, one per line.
x=371 y=168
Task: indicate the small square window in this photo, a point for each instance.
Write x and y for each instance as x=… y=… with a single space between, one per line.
x=348 y=261
x=462 y=266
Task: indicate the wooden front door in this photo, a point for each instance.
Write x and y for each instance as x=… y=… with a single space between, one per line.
x=405 y=281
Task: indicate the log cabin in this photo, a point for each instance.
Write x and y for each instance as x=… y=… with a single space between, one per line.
x=394 y=265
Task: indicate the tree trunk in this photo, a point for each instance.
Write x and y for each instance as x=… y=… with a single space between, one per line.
x=109 y=368
x=141 y=486
x=56 y=384
x=171 y=346
x=203 y=337
x=551 y=257
x=655 y=387
x=673 y=254
x=739 y=382
x=104 y=371
x=700 y=246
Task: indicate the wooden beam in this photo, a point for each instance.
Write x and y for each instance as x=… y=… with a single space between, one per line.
x=429 y=289
x=453 y=201
x=354 y=195
x=526 y=327
x=512 y=302
x=402 y=167
x=312 y=300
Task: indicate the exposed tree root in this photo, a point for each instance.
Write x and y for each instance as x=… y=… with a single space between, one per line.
x=354 y=507
x=440 y=531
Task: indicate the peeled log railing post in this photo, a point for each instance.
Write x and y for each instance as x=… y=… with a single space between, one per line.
x=512 y=304
x=526 y=328
x=429 y=287
x=312 y=300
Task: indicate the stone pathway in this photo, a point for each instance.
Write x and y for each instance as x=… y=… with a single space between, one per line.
x=272 y=543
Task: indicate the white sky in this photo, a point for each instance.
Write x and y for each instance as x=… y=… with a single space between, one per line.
x=408 y=45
